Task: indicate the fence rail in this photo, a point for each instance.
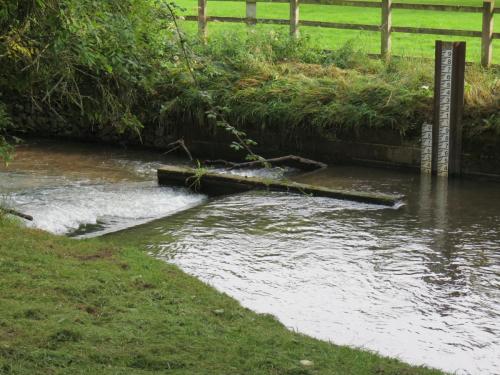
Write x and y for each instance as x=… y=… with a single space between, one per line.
x=385 y=28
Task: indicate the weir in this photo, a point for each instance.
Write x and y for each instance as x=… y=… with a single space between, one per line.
x=213 y=184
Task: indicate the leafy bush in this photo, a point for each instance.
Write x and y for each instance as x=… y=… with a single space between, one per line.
x=5 y=147
x=84 y=61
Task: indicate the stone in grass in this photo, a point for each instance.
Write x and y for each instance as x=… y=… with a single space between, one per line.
x=306 y=363
x=219 y=312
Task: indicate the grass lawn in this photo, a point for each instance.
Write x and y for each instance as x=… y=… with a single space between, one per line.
x=403 y=44
x=97 y=307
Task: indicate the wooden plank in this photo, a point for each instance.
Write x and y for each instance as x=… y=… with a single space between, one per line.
x=243 y=20
x=439 y=8
x=487 y=33
x=221 y=184
x=386 y=29
x=377 y=4
x=459 y=54
x=350 y=26
x=336 y=25
x=352 y=3
x=202 y=18
x=361 y=4
x=294 y=18
x=251 y=12
x=273 y=21
x=226 y=19
x=425 y=30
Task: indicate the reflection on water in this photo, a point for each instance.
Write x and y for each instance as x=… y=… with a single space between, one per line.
x=421 y=282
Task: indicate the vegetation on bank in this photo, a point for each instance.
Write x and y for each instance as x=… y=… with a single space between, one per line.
x=5 y=123
x=403 y=44
x=81 y=67
x=96 y=307
x=272 y=81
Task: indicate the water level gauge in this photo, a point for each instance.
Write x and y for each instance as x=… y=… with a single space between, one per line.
x=448 y=109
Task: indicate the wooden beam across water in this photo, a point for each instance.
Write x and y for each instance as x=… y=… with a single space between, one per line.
x=214 y=184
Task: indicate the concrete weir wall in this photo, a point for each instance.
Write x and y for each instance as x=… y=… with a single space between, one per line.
x=329 y=151
x=366 y=146
x=380 y=147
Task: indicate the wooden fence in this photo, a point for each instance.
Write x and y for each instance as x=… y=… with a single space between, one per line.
x=385 y=28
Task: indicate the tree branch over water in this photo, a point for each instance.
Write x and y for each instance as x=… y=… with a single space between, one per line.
x=214 y=112
x=292 y=161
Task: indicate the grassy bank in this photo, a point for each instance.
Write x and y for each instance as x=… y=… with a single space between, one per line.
x=403 y=44
x=92 y=307
x=270 y=81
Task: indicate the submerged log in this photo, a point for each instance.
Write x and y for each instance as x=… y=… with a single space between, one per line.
x=16 y=213
x=214 y=184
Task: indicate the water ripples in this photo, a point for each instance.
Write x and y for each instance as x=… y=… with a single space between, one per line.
x=354 y=274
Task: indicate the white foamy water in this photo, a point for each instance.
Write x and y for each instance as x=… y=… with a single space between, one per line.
x=83 y=190
x=271 y=173
x=108 y=207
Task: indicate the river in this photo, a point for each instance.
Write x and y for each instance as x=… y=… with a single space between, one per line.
x=420 y=282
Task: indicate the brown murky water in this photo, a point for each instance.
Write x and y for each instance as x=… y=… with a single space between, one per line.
x=421 y=282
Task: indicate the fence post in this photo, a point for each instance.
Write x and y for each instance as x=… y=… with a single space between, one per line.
x=386 y=29
x=294 y=18
x=251 y=12
x=202 y=18
x=487 y=37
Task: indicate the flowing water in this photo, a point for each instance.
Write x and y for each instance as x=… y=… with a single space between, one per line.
x=84 y=190
x=421 y=282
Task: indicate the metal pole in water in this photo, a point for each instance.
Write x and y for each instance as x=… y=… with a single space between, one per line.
x=448 y=108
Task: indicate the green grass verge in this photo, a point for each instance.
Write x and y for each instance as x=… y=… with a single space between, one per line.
x=93 y=307
x=268 y=81
x=403 y=44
